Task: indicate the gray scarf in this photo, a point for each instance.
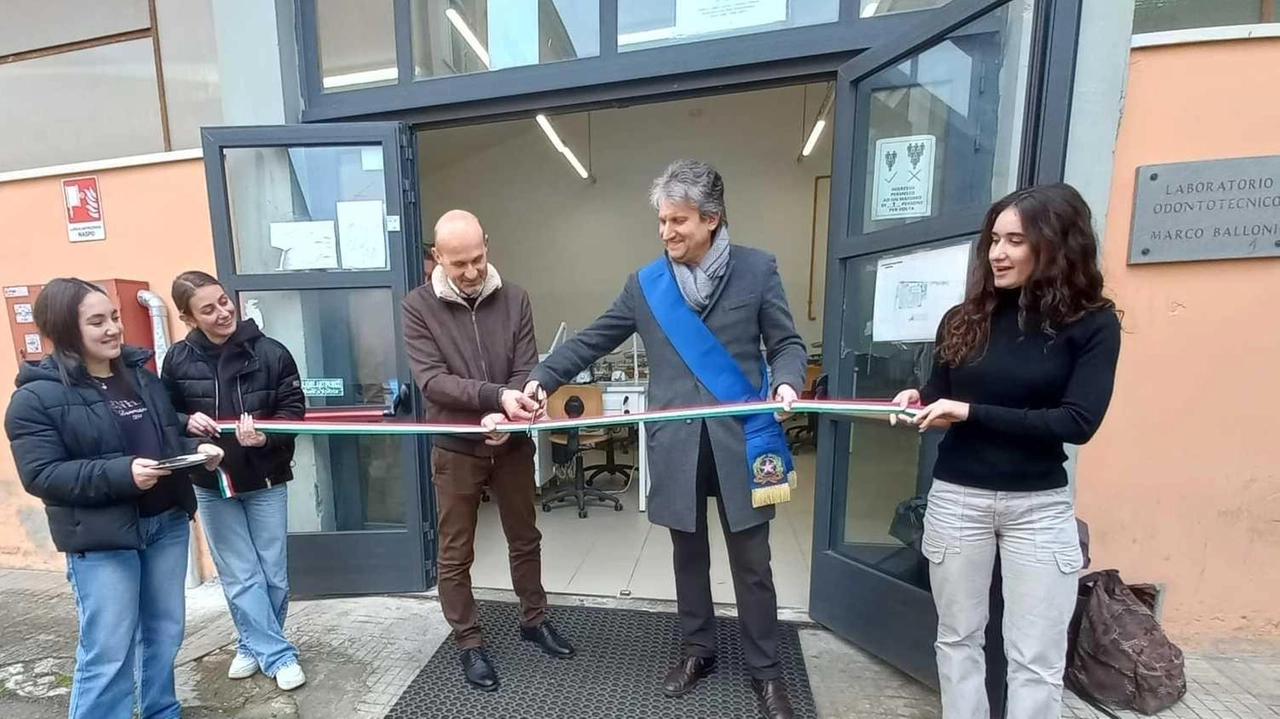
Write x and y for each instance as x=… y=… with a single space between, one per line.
x=698 y=283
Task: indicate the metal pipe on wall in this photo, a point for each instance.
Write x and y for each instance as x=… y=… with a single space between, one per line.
x=159 y=313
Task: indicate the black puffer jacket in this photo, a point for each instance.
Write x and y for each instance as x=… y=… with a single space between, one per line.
x=249 y=373
x=71 y=454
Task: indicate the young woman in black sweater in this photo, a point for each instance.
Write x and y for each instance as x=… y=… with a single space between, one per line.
x=1025 y=364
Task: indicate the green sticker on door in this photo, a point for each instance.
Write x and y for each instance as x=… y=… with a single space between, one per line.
x=323 y=387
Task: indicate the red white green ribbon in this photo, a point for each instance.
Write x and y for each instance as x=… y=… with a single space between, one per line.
x=874 y=409
x=225 y=488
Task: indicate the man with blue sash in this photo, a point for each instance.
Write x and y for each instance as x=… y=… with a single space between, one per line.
x=703 y=310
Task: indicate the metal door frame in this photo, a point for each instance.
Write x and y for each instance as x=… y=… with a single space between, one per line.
x=887 y=616
x=347 y=562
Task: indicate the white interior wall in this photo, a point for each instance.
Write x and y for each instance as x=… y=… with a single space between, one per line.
x=572 y=243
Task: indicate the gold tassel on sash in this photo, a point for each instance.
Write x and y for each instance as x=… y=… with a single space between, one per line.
x=773 y=494
x=768 y=488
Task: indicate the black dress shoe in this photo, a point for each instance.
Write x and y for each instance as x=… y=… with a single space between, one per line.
x=478 y=670
x=772 y=694
x=546 y=637
x=684 y=676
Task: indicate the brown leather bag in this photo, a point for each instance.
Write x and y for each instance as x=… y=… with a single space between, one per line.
x=1117 y=653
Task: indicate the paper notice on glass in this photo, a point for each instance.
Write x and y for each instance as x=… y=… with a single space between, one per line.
x=914 y=291
x=702 y=17
x=362 y=241
x=305 y=245
x=903 y=178
x=251 y=309
x=371 y=159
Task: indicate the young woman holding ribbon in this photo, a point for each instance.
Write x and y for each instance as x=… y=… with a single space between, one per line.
x=227 y=369
x=89 y=426
x=1025 y=364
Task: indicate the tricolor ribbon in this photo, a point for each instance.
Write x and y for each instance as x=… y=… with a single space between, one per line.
x=225 y=488
x=875 y=409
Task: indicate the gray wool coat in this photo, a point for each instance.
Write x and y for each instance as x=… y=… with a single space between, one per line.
x=748 y=309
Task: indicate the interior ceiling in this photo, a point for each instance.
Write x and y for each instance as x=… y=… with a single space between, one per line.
x=444 y=148
x=439 y=149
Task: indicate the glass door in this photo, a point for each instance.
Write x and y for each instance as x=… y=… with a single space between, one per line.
x=316 y=238
x=929 y=132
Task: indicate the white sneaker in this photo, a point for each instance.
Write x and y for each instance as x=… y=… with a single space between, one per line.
x=242 y=667
x=290 y=677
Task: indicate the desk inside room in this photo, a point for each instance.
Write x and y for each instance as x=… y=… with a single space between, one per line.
x=619 y=398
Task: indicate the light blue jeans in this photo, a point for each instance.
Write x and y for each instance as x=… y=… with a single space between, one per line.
x=1040 y=557
x=132 y=610
x=248 y=537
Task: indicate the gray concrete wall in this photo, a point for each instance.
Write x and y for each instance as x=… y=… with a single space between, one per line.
x=257 y=61
x=1102 y=70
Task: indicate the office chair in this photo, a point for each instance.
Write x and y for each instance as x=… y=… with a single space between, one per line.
x=805 y=432
x=618 y=436
x=611 y=466
x=570 y=402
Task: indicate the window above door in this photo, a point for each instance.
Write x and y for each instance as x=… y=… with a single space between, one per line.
x=1165 y=15
x=363 y=57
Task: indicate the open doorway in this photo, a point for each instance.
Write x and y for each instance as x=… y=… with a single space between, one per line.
x=572 y=241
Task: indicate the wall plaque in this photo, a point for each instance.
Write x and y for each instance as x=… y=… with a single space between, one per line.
x=1206 y=210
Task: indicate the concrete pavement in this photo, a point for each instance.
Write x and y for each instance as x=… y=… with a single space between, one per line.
x=360 y=654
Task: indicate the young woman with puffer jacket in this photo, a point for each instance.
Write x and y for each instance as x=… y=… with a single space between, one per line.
x=227 y=370
x=88 y=426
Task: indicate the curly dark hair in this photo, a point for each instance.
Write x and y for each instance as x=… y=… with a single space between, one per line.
x=1065 y=284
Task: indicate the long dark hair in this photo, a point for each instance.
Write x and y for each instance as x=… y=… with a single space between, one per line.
x=57 y=316
x=185 y=286
x=1065 y=284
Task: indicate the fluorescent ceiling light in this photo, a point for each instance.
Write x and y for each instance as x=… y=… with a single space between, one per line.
x=364 y=77
x=870 y=8
x=819 y=123
x=632 y=38
x=562 y=148
x=465 y=31
x=814 y=134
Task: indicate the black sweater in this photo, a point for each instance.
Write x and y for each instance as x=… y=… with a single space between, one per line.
x=1028 y=393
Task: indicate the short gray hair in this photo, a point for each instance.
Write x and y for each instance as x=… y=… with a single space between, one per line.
x=694 y=182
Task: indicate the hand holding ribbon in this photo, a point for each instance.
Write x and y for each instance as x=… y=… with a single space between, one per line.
x=247 y=434
x=940 y=415
x=519 y=406
x=786 y=394
x=490 y=422
x=533 y=390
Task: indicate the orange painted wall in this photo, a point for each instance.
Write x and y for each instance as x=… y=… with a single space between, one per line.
x=157 y=222
x=1182 y=484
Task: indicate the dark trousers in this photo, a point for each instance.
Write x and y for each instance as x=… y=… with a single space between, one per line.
x=459 y=479
x=752 y=581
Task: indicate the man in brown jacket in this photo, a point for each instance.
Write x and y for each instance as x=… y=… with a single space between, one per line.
x=470 y=342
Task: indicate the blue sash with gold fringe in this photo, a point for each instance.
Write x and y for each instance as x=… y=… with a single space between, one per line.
x=769 y=461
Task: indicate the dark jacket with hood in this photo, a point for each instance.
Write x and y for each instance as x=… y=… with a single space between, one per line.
x=71 y=453
x=251 y=373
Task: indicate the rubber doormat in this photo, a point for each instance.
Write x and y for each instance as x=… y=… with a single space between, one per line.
x=622 y=658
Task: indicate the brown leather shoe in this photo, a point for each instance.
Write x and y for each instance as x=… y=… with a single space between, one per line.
x=684 y=676
x=772 y=694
